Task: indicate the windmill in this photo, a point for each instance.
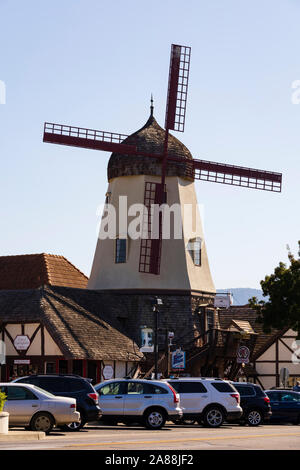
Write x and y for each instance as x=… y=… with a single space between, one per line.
x=194 y=169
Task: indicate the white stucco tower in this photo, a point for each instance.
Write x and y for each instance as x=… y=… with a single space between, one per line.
x=121 y=263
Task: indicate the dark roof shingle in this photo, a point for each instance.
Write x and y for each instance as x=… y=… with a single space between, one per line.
x=247 y=314
x=80 y=331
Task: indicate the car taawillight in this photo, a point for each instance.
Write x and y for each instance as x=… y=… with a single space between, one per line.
x=175 y=395
x=267 y=399
x=73 y=405
x=94 y=397
x=236 y=396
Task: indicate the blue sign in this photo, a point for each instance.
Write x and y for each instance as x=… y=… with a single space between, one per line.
x=178 y=359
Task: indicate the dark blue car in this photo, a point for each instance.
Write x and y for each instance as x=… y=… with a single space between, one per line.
x=285 y=405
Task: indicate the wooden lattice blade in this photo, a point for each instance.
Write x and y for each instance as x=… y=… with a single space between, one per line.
x=86 y=138
x=195 y=169
x=151 y=242
x=177 y=87
x=237 y=175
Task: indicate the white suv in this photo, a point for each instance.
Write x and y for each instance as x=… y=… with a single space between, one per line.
x=207 y=400
x=148 y=402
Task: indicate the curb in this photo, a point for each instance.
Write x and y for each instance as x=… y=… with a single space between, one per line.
x=22 y=436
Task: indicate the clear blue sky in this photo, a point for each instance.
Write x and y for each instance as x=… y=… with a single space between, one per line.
x=94 y=64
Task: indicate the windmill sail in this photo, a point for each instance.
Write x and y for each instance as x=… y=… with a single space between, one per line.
x=178 y=87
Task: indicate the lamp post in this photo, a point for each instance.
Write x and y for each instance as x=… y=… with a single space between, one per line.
x=155 y=307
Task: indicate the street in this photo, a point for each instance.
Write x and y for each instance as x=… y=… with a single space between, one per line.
x=227 y=437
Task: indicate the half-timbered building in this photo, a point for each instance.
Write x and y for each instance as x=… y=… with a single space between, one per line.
x=53 y=329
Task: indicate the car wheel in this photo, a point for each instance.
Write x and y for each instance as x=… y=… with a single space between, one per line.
x=42 y=422
x=76 y=426
x=297 y=421
x=213 y=417
x=154 y=419
x=254 y=418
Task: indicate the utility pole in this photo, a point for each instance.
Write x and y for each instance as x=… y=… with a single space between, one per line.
x=155 y=303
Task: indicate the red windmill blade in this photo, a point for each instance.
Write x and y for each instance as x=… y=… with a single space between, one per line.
x=150 y=250
x=178 y=87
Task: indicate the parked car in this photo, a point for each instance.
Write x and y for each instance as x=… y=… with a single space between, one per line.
x=285 y=405
x=254 y=402
x=146 y=402
x=30 y=407
x=72 y=386
x=208 y=401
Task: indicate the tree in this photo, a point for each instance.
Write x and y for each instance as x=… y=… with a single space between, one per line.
x=282 y=309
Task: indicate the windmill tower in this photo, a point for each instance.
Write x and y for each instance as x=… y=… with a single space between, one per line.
x=126 y=263
x=153 y=168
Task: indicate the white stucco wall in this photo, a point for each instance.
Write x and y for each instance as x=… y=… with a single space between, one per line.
x=177 y=272
x=284 y=357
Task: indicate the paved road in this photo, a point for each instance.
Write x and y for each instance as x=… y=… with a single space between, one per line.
x=228 y=437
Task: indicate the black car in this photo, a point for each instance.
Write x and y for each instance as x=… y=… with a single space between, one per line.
x=254 y=402
x=285 y=405
x=72 y=386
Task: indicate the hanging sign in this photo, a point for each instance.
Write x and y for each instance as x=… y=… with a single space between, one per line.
x=108 y=372
x=21 y=342
x=147 y=340
x=2 y=352
x=243 y=355
x=170 y=337
x=178 y=359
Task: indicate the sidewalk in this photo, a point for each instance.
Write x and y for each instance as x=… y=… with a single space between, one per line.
x=22 y=436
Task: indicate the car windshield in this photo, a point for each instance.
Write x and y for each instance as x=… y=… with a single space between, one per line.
x=48 y=394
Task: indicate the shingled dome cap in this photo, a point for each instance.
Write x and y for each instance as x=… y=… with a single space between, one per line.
x=150 y=139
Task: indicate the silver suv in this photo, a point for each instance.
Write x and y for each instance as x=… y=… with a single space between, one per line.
x=206 y=400
x=147 y=402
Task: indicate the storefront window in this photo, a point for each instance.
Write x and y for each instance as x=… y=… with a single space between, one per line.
x=50 y=368
x=20 y=370
x=63 y=366
x=78 y=367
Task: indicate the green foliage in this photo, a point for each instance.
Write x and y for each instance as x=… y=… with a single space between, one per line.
x=3 y=398
x=282 y=310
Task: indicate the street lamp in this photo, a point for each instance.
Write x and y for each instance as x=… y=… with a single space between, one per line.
x=156 y=302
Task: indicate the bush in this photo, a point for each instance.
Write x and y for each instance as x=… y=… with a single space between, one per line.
x=3 y=398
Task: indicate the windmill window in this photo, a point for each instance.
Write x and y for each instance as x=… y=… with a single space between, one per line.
x=194 y=247
x=120 y=250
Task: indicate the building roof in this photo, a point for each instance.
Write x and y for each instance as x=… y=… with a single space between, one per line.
x=75 y=319
x=242 y=316
x=242 y=326
x=150 y=139
x=36 y=270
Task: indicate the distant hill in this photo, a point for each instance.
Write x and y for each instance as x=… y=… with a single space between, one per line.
x=241 y=295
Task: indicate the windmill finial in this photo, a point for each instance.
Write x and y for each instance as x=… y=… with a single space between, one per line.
x=151 y=107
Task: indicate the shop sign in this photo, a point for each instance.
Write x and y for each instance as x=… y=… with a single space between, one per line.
x=178 y=359
x=108 y=372
x=22 y=361
x=2 y=352
x=243 y=355
x=147 y=340
x=21 y=342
